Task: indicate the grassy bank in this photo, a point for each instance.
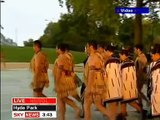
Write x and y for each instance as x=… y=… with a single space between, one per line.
x=24 y=54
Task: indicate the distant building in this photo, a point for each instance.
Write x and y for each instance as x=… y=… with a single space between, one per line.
x=7 y=41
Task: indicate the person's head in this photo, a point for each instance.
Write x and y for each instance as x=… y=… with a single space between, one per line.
x=67 y=47
x=91 y=46
x=124 y=55
x=101 y=47
x=60 y=48
x=138 y=49
x=37 y=45
x=155 y=53
x=110 y=49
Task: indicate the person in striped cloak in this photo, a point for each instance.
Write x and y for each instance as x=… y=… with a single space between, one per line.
x=149 y=67
x=149 y=77
x=155 y=75
x=113 y=81
x=95 y=86
x=129 y=84
x=63 y=82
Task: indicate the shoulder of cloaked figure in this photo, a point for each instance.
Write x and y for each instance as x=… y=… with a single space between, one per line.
x=99 y=55
x=43 y=53
x=155 y=67
x=142 y=56
x=40 y=55
x=157 y=63
x=69 y=55
x=60 y=57
x=113 y=60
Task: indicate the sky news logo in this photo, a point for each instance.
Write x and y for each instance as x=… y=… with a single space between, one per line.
x=132 y=10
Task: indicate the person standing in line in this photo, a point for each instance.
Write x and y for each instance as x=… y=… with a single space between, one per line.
x=129 y=84
x=39 y=66
x=95 y=86
x=77 y=80
x=103 y=55
x=102 y=51
x=149 y=77
x=113 y=82
x=85 y=74
x=63 y=82
x=155 y=76
x=70 y=56
x=140 y=62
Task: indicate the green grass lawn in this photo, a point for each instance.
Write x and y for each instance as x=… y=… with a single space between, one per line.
x=24 y=54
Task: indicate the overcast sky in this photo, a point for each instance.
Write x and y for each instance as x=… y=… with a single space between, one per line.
x=25 y=19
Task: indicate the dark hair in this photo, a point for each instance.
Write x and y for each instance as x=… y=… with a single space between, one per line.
x=93 y=43
x=62 y=47
x=124 y=52
x=148 y=55
x=38 y=43
x=156 y=49
x=67 y=46
x=139 y=46
x=102 y=45
x=111 y=48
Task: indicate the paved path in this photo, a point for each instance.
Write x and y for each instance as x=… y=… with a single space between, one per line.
x=15 y=83
x=20 y=65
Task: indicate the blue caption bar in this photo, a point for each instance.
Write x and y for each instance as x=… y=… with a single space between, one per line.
x=131 y=10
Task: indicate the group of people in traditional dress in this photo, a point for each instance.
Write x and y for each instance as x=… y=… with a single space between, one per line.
x=110 y=82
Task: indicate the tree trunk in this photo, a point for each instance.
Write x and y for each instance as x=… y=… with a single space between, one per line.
x=138 y=30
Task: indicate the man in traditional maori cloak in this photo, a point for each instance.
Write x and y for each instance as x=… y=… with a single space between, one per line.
x=102 y=51
x=85 y=72
x=64 y=82
x=95 y=86
x=39 y=67
x=140 y=62
x=77 y=80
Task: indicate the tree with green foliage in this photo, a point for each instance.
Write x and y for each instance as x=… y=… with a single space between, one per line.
x=126 y=31
x=102 y=11
x=28 y=43
x=94 y=19
x=138 y=33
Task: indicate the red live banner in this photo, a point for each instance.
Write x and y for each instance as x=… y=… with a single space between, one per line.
x=34 y=101
x=28 y=107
